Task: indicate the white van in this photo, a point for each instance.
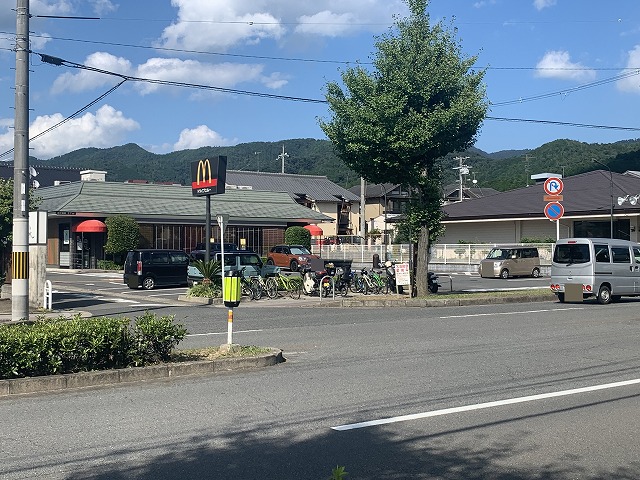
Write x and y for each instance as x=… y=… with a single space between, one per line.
x=604 y=268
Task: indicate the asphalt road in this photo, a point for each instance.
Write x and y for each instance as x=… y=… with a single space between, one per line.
x=511 y=391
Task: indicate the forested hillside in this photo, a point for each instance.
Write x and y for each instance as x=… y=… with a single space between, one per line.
x=500 y=170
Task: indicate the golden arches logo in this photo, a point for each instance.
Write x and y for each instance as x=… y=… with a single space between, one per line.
x=204 y=176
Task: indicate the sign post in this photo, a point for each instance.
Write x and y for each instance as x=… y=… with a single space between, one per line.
x=553 y=210
x=208 y=177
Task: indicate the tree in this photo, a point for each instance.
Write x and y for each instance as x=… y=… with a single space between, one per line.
x=297 y=236
x=123 y=233
x=421 y=101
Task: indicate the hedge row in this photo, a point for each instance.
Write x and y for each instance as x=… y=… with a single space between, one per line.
x=57 y=346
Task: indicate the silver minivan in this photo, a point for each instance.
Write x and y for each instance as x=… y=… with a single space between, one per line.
x=508 y=261
x=603 y=268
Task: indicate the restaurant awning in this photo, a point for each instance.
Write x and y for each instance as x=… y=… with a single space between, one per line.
x=89 y=226
x=314 y=230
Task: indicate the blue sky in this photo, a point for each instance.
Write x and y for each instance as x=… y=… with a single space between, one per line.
x=570 y=61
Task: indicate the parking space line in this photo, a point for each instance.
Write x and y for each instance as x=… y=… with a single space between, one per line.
x=480 y=406
x=221 y=333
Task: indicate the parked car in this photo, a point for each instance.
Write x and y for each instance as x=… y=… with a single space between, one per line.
x=238 y=260
x=505 y=262
x=148 y=268
x=290 y=256
x=198 y=253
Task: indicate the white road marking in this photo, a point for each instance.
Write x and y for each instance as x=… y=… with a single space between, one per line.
x=149 y=305
x=221 y=333
x=480 y=406
x=512 y=313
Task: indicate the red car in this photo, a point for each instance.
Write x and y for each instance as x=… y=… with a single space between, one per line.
x=290 y=256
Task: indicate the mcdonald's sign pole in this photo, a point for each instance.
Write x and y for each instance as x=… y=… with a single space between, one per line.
x=208 y=178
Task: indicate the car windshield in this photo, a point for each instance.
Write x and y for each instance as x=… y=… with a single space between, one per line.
x=299 y=251
x=498 y=254
x=572 y=253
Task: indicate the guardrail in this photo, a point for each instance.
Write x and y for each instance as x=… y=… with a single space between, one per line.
x=443 y=254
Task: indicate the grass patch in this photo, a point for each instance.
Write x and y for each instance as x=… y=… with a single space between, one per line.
x=211 y=353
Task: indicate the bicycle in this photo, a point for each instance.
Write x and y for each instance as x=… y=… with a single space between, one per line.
x=380 y=282
x=290 y=284
x=268 y=285
x=250 y=287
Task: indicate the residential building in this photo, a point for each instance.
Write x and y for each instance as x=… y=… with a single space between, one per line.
x=594 y=203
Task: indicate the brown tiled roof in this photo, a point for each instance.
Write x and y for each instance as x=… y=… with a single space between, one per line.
x=585 y=194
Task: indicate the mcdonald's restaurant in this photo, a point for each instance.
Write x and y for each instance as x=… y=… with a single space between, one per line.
x=169 y=216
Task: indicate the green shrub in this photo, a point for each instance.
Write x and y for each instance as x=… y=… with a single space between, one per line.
x=203 y=290
x=109 y=265
x=56 y=346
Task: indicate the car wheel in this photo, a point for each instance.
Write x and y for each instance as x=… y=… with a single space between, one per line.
x=148 y=283
x=270 y=261
x=561 y=297
x=535 y=273
x=504 y=274
x=293 y=266
x=604 y=295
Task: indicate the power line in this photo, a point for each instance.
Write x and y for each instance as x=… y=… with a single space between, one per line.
x=307 y=60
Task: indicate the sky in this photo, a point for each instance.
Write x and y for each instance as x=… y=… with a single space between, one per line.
x=261 y=68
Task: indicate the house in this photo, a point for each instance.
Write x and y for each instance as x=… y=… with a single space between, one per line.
x=169 y=216
x=451 y=192
x=384 y=204
x=312 y=191
x=45 y=176
x=594 y=204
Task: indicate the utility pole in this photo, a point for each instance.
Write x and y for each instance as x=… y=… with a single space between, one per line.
x=363 y=204
x=255 y=154
x=282 y=156
x=462 y=170
x=20 y=249
x=526 y=168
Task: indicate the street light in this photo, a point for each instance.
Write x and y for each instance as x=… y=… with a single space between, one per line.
x=610 y=190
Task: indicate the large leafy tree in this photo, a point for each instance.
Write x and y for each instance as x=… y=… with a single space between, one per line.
x=420 y=101
x=123 y=234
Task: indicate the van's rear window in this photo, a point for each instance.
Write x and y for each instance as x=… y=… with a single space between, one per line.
x=574 y=253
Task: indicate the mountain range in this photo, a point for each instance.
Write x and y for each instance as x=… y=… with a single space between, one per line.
x=503 y=170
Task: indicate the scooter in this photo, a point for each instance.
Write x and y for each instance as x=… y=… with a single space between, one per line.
x=432 y=282
x=311 y=281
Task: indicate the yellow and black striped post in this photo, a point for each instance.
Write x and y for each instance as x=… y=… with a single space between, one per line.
x=20 y=266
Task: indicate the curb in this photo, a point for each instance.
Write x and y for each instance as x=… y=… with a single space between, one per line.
x=68 y=381
x=437 y=302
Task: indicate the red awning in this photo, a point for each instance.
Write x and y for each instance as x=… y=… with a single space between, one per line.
x=90 y=226
x=314 y=230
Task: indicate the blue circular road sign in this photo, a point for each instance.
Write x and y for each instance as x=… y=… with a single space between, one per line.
x=554 y=210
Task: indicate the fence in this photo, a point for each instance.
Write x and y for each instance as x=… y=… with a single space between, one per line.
x=453 y=255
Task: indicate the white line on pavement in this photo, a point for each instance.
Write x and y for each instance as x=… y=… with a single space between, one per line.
x=479 y=406
x=221 y=333
x=512 y=313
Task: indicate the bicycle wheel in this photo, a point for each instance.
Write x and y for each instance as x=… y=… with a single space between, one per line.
x=257 y=289
x=342 y=289
x=247 y=290
x=357 y=285
x=271 y=287
x=295 y=290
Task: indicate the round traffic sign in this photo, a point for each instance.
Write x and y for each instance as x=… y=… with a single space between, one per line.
x=553 y=210
x=553 y=186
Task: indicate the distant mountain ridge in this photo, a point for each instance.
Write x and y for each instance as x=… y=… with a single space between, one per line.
x=501 y=170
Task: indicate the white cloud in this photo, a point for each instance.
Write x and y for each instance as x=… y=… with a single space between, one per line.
x=104 y=129
x=326 y=23
x=216 y=26
x=484 y=3
x=558 y=64
x=102 y=7
x=201 y=136
x=88 y=80
x=192 y=71
x=632 y=82
x=540 y=4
